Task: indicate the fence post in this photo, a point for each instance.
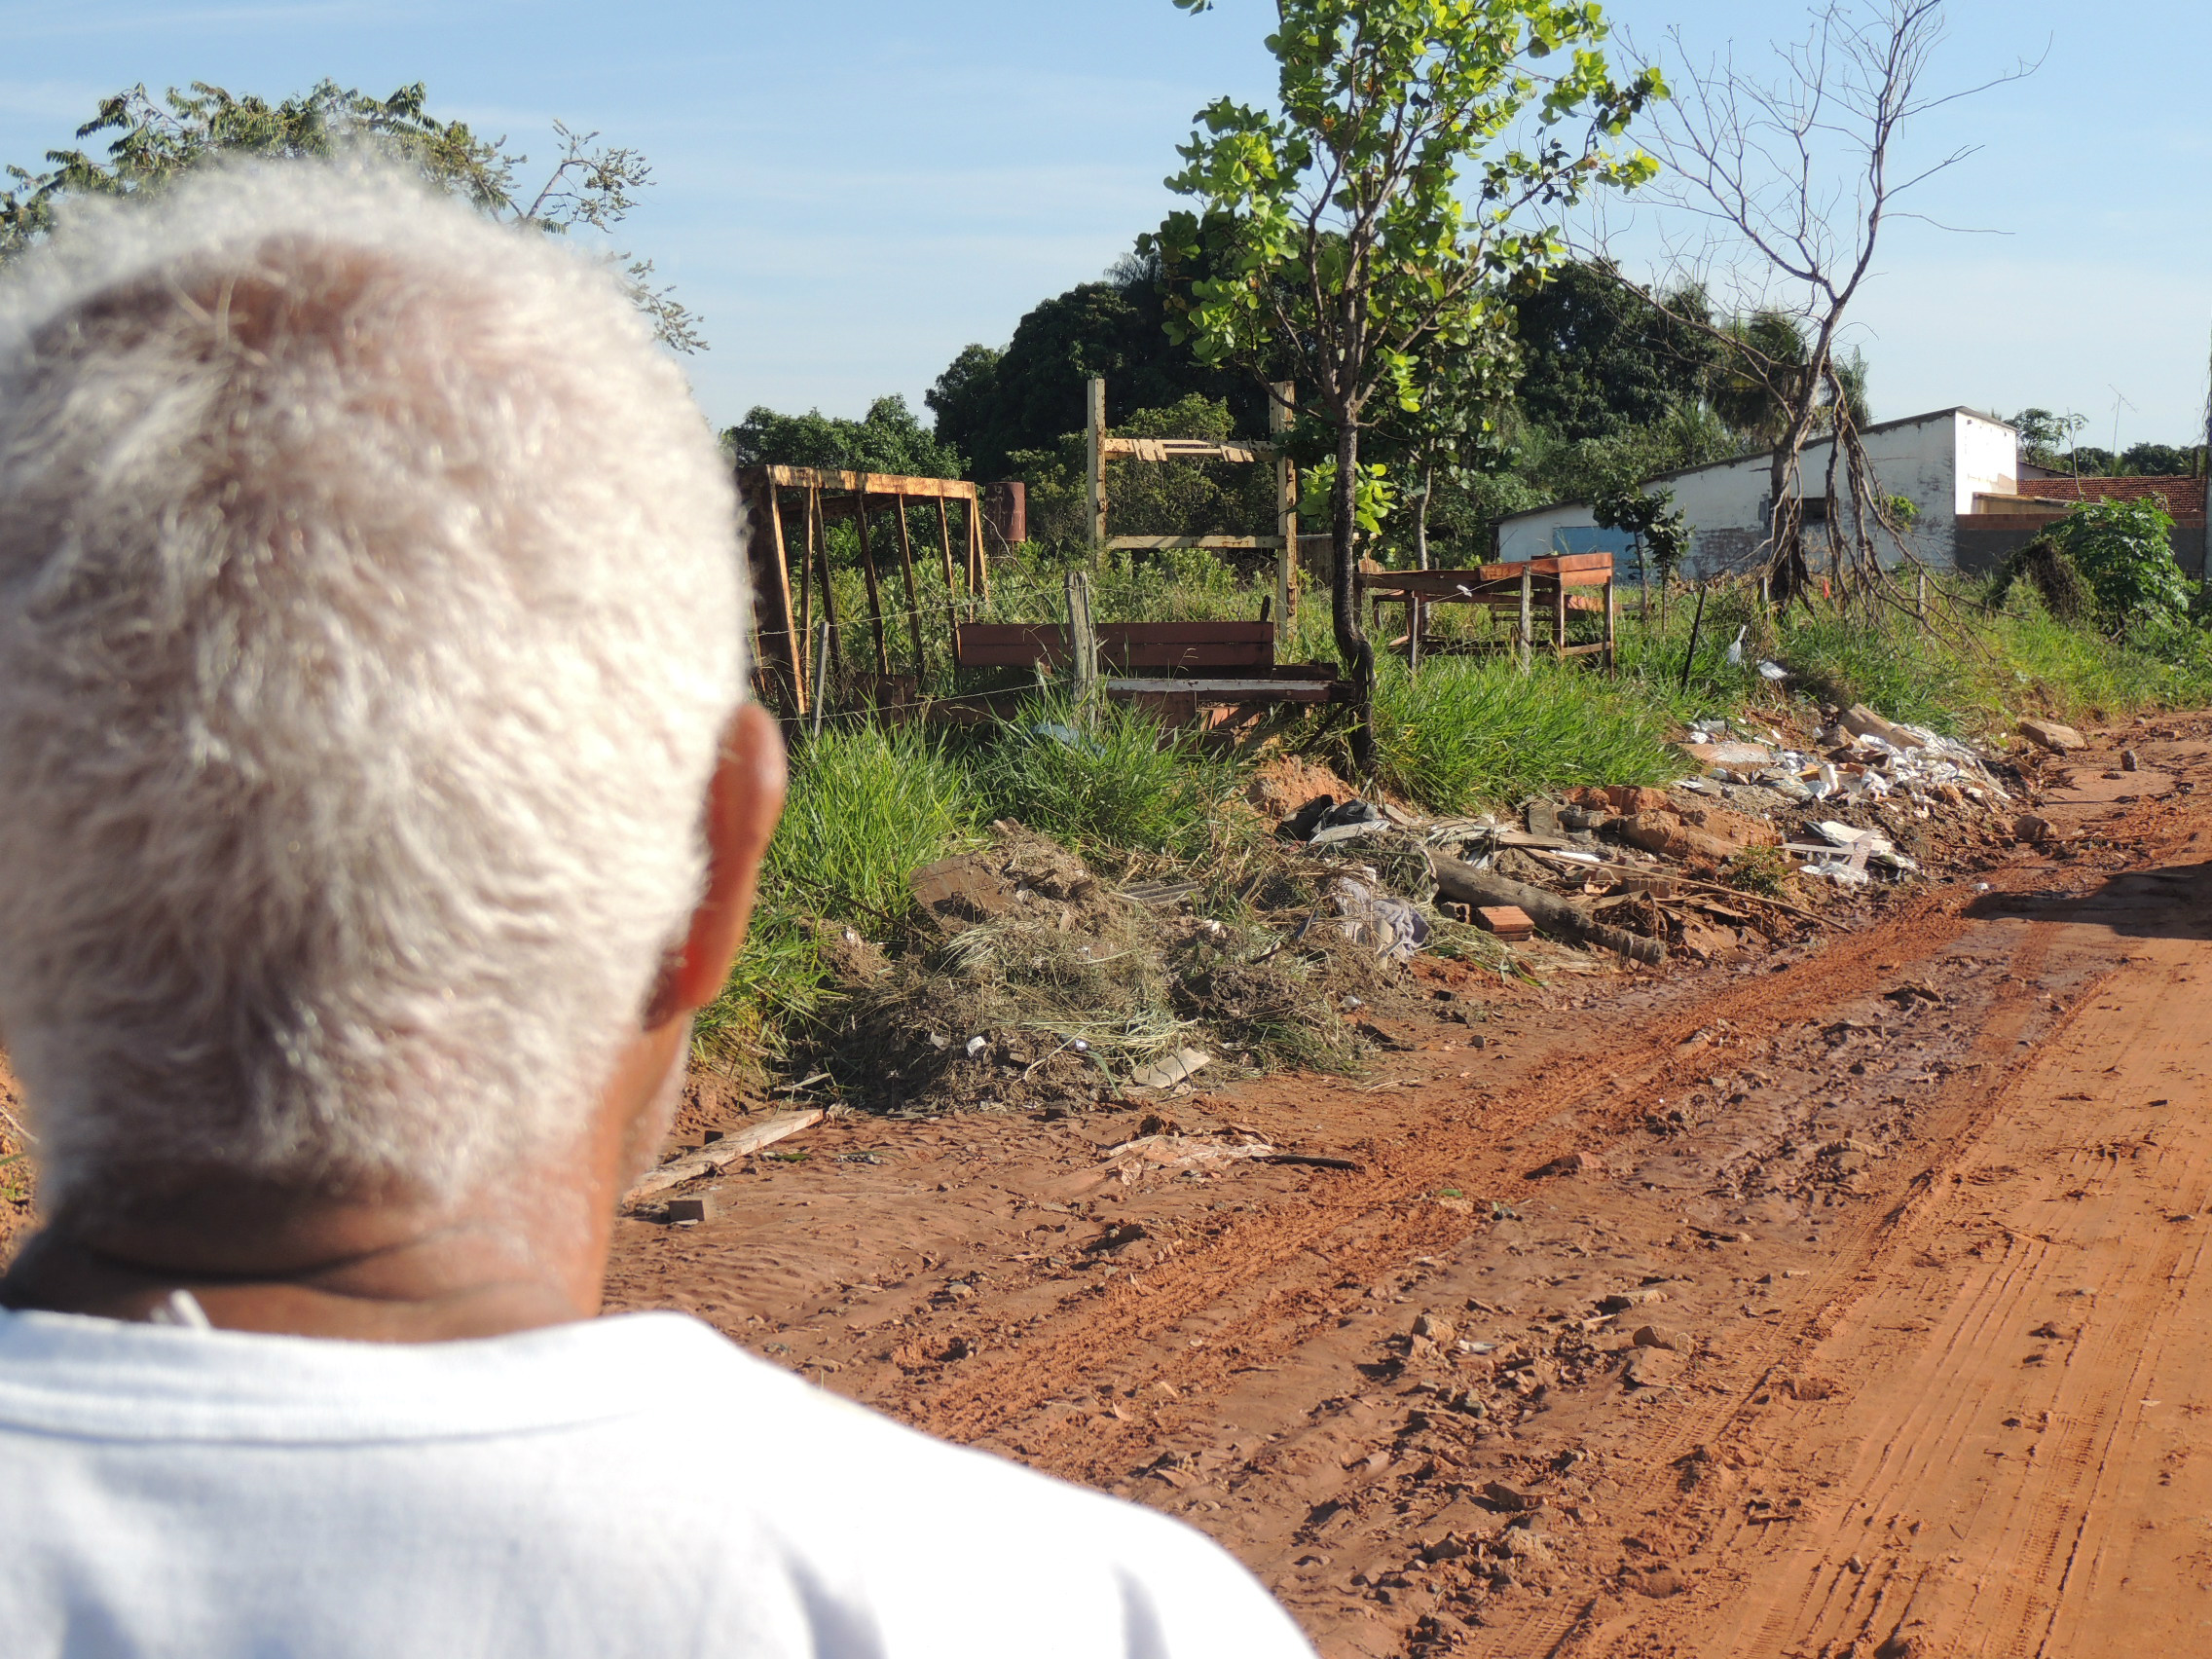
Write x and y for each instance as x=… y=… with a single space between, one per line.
x=1527 y=613
x=1083 y=635
x=1094 y=457
x=1283 y=405
x=1920 y=597
x=822 y=679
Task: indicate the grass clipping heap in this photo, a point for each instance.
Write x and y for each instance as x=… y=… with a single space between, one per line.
x=1029 y=983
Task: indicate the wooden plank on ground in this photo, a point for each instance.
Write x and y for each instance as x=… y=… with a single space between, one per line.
x=713 y=1159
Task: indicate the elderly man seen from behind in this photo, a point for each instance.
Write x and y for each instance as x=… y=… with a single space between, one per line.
x=379 y=804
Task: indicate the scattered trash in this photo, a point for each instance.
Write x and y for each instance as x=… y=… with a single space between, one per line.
x=976 y=1044
x=1324 y=820
x=1392 y=929
x=1773 y=671
x=1735 y=651
x=1183 y=1064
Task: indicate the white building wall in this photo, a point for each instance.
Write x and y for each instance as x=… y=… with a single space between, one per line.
x=1938 y=461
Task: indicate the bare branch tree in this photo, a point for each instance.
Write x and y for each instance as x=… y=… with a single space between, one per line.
x=1790 y=179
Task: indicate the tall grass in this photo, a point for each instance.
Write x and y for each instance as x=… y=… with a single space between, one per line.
x=1118 y=783
x=868 y=807
x=1467 y=732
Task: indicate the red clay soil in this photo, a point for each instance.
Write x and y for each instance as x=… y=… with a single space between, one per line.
x=1857 y=1314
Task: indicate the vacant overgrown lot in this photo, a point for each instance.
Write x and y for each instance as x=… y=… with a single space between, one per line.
x=871 y=801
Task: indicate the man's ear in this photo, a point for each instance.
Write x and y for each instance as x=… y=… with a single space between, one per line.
x=744 y=801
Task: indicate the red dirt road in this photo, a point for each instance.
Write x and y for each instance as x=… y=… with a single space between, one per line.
x=1912 y=1224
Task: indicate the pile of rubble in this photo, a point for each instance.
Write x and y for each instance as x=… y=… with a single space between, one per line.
x=1755 y=845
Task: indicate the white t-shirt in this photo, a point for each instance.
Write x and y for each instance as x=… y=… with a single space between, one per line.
x=634 y=1485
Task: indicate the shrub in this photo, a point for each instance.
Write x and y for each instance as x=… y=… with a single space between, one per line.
x=868 y=807
x=1120 y=783
x=2122 y=551
x=1466 y=731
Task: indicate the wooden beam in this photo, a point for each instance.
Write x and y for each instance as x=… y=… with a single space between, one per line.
x=1158 y=543
x=914 y=598
x=1241 y=451
x=874 y=594
x=829 y=588
x=951 y=608
x=874 y=483
x=793 y=650
x=976 y=551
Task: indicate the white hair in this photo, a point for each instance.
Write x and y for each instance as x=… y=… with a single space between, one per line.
x=370 y=612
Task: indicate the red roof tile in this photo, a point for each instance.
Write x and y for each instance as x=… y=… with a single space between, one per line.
x=2181 y=495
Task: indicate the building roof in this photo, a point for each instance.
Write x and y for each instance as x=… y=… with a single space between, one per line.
x=1812 y=442
x=2182 y=494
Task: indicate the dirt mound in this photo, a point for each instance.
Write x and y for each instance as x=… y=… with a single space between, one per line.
x=1031 y=982
x=1287 y=782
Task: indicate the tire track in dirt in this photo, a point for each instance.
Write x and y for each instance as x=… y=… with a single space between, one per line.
x=1371 y=1222
x=2034 y=1527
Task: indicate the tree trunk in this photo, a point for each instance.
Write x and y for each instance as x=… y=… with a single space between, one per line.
x=1421 y=517
x=1352 y=645
x=1788 y=575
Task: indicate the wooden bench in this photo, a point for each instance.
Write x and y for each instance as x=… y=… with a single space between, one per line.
x=1172 y=666
x=1529 y=588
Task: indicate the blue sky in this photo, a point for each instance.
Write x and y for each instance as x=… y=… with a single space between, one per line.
x=850 y=192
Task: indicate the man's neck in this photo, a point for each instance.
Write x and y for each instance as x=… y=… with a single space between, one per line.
x=365 y=1270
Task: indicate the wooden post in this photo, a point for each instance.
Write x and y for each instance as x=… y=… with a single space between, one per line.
x=1920 y=596
x=1282 y=410
x=951 y=606
x=1083 y=635
x=1612 y=649
x=1559 y=613
x=1417 y=618
x=1094 y=454
x=783 y=640
x=821 y=676
x=821 y=538
x=1690 y=657
x=978 y=562
x=1527 y=611
x=868 y=572
x=914 y=598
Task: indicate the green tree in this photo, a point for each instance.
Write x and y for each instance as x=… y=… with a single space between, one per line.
x=2046 y=439
x=2160 y=461
x=1767 y=373
x=887 y=439
x=1336 y=231
x=1599 y=357
x=2122 y=551
x=1661 y=529
x=990 y=403
x=157 y=140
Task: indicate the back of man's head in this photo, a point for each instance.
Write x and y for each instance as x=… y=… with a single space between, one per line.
x=370 y=609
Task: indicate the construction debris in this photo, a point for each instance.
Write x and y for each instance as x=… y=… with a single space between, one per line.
x=1508 y=921
x=2051 y=735
x=1179 y=1067
x=714 y=1159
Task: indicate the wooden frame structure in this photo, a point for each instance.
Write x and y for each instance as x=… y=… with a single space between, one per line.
x=1099 y=449
x=1173 y=668
x=782 y=628
x=1513 y=588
